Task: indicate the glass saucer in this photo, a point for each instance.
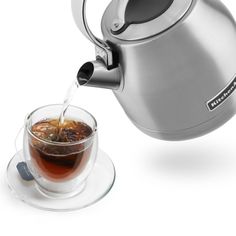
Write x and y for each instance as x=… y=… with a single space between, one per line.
x=97 y=185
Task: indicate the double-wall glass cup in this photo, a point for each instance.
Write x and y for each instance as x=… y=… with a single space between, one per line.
x=60 y=168
x=66 y=175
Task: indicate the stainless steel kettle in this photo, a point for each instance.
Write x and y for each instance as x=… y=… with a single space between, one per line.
x=170 y=63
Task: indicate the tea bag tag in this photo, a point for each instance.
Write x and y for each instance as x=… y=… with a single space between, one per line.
x=24 y=171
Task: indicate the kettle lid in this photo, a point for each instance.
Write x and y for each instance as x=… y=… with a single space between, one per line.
x=139 y=19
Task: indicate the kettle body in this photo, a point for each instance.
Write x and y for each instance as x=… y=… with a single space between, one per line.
x=176 y=72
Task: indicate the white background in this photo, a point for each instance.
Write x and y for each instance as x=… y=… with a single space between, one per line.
x=162 y=188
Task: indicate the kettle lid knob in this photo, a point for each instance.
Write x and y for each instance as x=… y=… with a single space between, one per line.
x=139 y=19
x=138 y=11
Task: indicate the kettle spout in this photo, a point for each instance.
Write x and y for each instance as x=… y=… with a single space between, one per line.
x=96 y=74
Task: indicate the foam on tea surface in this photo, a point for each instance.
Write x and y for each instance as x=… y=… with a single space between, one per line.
x=68 y=131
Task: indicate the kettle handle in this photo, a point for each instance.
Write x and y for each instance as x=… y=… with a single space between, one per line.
x=103 y=50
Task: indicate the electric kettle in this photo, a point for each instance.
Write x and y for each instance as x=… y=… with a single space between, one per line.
x=170 y=63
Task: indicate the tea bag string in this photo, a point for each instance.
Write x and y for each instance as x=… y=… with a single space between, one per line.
x=17 y=149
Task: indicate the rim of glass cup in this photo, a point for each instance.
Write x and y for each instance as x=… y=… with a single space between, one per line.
x=61 y=143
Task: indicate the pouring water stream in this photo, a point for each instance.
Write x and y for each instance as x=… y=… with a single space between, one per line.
x=68 y=98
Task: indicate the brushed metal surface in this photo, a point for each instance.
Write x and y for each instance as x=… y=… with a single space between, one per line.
x=169 y=78
x=96 y=74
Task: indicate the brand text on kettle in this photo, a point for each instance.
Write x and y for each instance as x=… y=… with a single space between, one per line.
x=222 y=96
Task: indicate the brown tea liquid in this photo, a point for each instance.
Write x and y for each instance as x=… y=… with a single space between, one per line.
x=58 y=162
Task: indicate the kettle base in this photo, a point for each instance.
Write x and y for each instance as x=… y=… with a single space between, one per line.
x=193 y=132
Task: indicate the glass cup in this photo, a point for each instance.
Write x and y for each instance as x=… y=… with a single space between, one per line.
x=60 y=169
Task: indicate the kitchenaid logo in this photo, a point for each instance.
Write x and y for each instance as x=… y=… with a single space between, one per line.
x=222 y=96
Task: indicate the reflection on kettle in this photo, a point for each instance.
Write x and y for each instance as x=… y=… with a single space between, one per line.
x=170 y=63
